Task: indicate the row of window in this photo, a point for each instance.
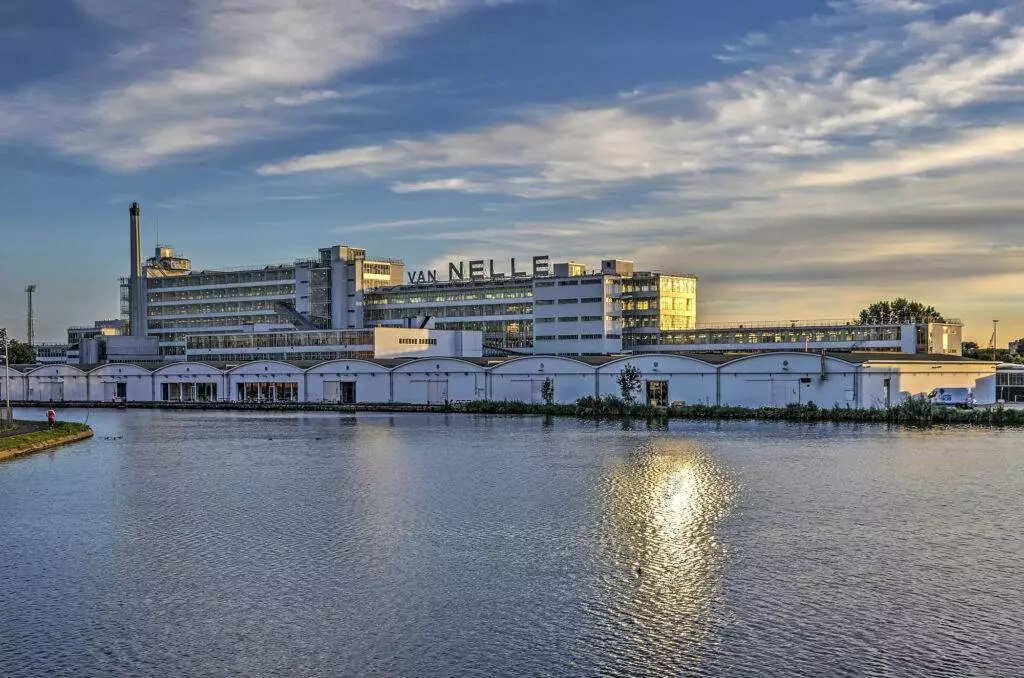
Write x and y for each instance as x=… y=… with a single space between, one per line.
x=296 y=356
x=225 y=294
x=205 y=308
x=576 y=337
x=441 y=296
x=223 y=278
x=768 y=337
x=579 y=318
x=584 y=300
x=282 y=339
x=376 y=315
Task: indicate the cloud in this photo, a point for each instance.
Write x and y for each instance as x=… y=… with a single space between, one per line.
x=887 y=6
x=969 y=149
x=848 y=99
x=215 y=56
x=397 y=224
x=310 y=97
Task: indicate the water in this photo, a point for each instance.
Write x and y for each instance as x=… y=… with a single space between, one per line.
x=228 y=544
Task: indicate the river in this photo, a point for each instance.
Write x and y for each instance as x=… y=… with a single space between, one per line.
x=286 y=544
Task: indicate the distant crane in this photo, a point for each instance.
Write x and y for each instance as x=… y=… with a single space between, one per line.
x=30 y=290
x=992 y=343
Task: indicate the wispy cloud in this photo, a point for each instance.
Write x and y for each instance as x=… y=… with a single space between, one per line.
x=192 y=89
x=397 y=224
x=816 y=104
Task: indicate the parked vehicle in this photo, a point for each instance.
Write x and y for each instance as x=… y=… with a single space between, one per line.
x=962 y=398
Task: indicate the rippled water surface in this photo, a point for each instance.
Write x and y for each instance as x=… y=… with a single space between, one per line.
x=228 y=544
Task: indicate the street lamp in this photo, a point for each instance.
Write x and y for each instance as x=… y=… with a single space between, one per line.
x=8 y=419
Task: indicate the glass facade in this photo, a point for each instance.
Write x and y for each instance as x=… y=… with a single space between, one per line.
x=502 y=309
x=219 y=342
x=792 y=335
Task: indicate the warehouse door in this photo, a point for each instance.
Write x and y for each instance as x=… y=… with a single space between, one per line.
x=332 y=391
x=784 y=393
x=437 y=392
x=348 y=392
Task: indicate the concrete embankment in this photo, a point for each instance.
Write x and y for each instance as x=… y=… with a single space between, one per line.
x=36 y=439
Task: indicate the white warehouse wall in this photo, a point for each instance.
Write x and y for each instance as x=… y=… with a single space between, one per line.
x=752 y=381
x=373 y=382
x=103 y=381
x=521 y=379
x=920 y=378
x=690 y=380
x=265 y=371
x=779 y=379
x=436 y=380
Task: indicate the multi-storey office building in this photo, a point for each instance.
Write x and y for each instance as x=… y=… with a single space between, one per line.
x=568 y=311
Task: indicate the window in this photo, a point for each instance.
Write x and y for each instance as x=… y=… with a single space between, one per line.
x=545 y=337
x=568 y=283
x=568 y=337
x=613 y=336
x=545 y=302
x=567 y=301
x=545 y=284
x=545 y=320
x=591 y=300
x=591 y=318
x=587 y=337
x=569 y=319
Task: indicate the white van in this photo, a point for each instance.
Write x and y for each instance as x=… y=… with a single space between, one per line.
x=962 y=398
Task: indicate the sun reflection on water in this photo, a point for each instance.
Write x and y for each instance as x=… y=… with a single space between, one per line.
x=661 y=560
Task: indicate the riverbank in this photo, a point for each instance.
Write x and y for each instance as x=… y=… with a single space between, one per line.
x=913 y=412
x=31 y=437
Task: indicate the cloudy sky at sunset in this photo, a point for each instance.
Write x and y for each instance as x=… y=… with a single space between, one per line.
x=804 y=158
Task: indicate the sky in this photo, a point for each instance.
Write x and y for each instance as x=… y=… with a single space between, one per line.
x=804 y=158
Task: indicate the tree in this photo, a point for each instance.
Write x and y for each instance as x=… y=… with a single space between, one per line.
x=19 y=353
x=547 y=391
x=629 y=383
x=969 y=348
x=899 y=311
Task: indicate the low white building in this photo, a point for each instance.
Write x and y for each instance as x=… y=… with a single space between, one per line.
x=767 y=379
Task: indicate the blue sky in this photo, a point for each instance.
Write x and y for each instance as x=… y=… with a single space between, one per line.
x=802 y=157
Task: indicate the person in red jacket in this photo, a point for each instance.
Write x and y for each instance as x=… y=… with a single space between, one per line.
x=51 y=417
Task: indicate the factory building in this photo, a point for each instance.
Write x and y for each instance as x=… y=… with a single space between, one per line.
x=321 y=293
x=87 y=343
x=524 y=307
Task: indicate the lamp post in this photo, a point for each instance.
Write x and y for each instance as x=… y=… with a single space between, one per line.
x=8 y=419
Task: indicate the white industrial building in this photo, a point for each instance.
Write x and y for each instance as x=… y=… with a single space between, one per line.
x=769 y=379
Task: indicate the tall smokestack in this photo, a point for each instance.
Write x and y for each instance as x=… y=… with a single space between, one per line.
x=137 y=312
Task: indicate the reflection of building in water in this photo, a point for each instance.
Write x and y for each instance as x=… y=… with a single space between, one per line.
x=662 y=503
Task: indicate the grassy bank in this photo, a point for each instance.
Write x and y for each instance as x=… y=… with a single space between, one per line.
x=38 y=440
x=914 y=412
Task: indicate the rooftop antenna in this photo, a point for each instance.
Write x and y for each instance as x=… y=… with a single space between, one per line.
x=30 y=290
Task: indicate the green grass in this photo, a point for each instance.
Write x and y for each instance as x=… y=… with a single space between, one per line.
x=913 y=412
x=60 y=430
